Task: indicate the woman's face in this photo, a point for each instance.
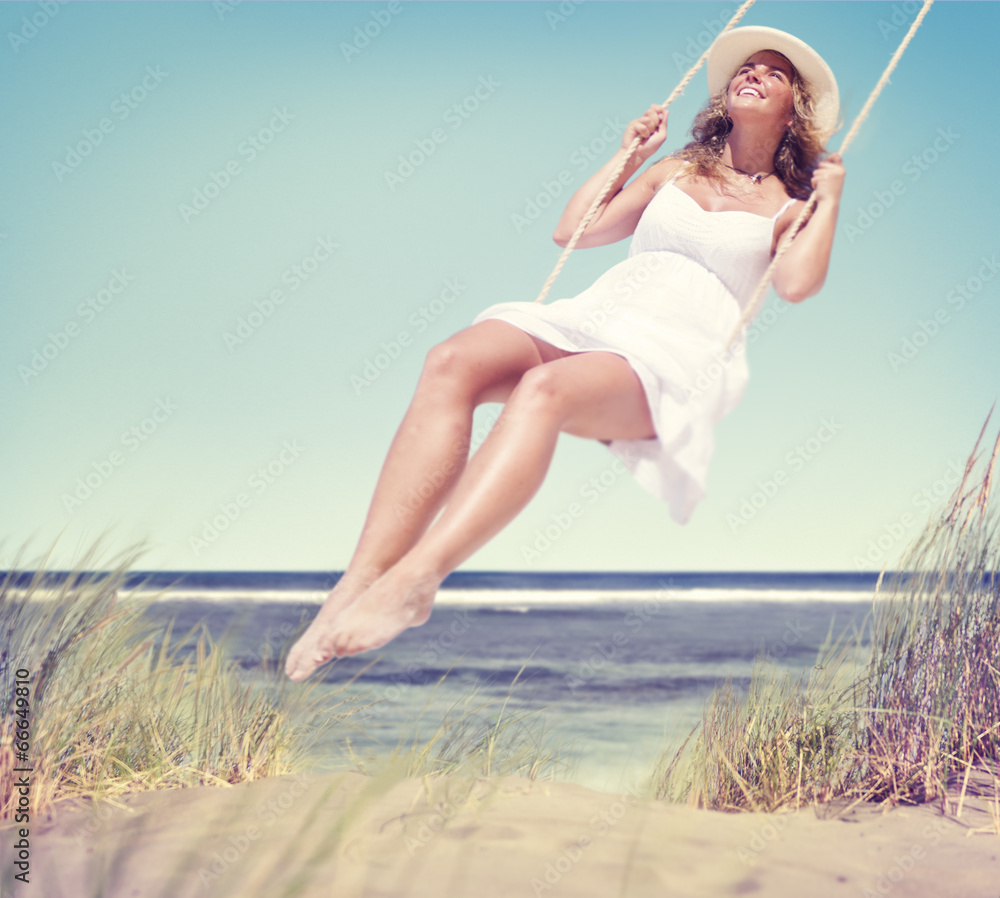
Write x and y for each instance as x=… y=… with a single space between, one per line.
x=762 y=86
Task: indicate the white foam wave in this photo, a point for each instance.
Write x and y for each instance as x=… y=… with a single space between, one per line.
x=521 y=600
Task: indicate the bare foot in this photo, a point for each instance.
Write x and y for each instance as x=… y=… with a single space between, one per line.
x=308 y=654
x=397 y=600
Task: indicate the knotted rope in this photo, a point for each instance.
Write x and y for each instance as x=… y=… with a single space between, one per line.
x=582 y=226
x=789 y=235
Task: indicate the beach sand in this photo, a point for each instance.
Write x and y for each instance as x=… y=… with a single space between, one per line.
x=352 y=835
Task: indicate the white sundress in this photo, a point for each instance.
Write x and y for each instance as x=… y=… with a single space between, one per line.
x=668 y=309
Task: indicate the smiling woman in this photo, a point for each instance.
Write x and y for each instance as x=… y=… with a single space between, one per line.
x=768 y=88
x=628 y=362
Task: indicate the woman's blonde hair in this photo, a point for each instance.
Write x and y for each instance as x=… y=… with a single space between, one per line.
x=798 y=153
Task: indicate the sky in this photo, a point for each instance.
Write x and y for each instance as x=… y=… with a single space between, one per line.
x=230 y=232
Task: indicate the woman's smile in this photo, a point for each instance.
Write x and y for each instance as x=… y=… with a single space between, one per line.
x=763 y=78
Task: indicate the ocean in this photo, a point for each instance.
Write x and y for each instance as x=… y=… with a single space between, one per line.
x=613 y=666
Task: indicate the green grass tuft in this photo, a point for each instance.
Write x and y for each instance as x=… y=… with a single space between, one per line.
x=920 y=714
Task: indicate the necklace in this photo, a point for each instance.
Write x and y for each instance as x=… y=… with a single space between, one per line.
x=755 y=178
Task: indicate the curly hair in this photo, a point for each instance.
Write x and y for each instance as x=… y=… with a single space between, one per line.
x=798 y=154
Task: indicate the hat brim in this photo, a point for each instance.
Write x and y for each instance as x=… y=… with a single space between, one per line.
x=733 y=48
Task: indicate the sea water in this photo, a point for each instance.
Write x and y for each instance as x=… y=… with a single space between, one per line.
x=613 y=667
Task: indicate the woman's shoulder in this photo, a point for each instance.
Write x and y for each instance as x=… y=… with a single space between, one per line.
x=791 y=204
x=786 y=216
x=663 y=170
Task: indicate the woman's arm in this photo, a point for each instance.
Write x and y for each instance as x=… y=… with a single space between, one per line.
x=802 y=269
x=621 y=209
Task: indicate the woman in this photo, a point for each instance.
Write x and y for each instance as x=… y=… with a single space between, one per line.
x=635 y=361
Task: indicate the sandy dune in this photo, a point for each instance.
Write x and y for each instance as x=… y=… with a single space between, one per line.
x=352 y=835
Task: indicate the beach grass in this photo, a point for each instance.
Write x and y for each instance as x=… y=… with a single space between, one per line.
x=916 y=721
x=904 y=710
x=781 y=744
x=476 y=736
x=117 y=705
x=933 y=686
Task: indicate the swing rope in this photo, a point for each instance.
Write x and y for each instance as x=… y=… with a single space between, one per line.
x=796 y=226
x=588 y=216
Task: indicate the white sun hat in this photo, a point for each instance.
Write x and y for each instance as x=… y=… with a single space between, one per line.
x=734 y=47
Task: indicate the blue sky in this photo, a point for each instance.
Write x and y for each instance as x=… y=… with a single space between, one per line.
x=209 y=237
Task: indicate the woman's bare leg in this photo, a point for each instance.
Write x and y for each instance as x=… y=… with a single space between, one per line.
x=594 y=395
x=479 y=364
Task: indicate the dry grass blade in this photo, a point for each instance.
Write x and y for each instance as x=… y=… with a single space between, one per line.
x=112 y=714
x=918 y=715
